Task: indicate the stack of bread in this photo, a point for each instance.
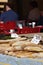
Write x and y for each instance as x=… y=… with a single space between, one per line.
x=22 y=47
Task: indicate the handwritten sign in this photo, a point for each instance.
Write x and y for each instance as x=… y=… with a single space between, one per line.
x=20 y=26
x=36 y=39
x=14 y=35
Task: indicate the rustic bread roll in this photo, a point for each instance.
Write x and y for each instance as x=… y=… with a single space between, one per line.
x=6 y=52
x=10 y=53
x=17 y=48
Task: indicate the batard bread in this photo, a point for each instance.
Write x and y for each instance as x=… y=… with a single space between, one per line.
x=28 y=54
x=17 y=48
x=18 y=43
x=22 y=43
x=32 y=48
x=23 y=54
x=10 y=53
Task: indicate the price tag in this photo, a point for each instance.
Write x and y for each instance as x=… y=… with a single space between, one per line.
x=36 y=39
x=11 y=30
x=20 y=26
x=14 y=35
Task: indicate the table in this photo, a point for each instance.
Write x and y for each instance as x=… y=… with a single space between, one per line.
x=9 y=60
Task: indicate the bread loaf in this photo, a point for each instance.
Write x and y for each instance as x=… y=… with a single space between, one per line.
x=32 y=48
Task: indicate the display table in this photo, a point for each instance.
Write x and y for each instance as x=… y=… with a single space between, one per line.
x=10 y=60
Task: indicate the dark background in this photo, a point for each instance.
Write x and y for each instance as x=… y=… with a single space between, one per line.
x=22 y=7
